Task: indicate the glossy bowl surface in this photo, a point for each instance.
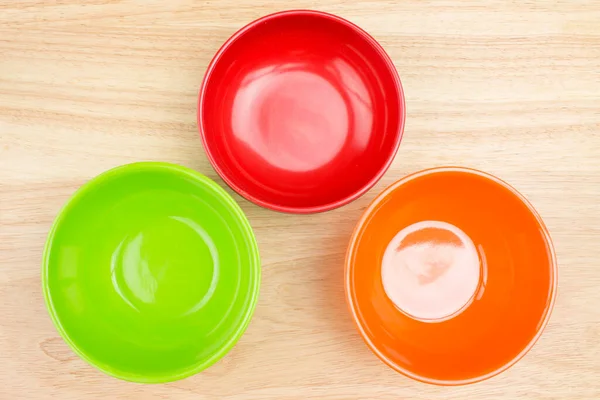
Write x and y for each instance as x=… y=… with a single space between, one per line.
x=301 y=111
x=151 y=272
x=513 y=297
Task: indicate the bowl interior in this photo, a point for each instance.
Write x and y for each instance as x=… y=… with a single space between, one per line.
x=151 y=272
x=301 y=111
x=516 y=282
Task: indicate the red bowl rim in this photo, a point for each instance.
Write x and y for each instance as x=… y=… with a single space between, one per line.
x=324 y=207
x=348 y=267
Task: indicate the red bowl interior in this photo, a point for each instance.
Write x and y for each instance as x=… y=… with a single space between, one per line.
x=516 y=290
x=301 y=111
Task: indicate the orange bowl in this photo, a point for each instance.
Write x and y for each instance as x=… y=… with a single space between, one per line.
x=450 y=276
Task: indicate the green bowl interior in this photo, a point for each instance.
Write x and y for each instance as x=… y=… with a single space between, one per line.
x=151 y=272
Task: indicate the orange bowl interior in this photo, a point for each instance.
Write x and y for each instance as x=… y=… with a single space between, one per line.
x=517 y=281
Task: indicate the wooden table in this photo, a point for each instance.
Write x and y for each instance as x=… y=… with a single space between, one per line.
x=510 y=87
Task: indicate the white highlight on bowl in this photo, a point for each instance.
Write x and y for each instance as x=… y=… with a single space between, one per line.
x=431 y=271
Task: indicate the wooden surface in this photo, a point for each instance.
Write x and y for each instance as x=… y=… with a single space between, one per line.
x=510 y=87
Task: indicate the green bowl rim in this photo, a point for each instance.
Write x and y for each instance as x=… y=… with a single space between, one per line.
x=244 y=224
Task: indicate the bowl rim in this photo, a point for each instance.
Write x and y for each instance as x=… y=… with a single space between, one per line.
x=178 y=172
x=339 y=202
x=349 y=267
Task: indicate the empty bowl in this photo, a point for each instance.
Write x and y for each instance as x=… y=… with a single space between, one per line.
x=151 y=272
x=450 y=276
x=301 y=111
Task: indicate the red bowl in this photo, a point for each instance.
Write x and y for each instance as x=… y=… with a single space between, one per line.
x=301 y=111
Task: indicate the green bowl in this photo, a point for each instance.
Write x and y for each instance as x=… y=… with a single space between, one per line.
x=151 y=272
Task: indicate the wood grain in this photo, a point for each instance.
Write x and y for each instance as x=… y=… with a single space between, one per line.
x=510 y=87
